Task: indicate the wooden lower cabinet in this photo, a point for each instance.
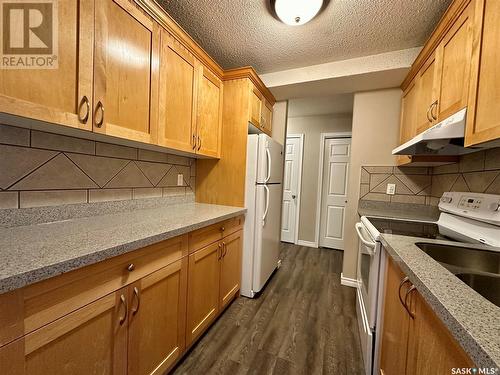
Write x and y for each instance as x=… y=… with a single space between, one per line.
x=214 y=280
x=91 y=340
x=414 y=340
x=203 y=290
x=141 y=327
x=395 y=326
x=432 y=349
x=230 y=268
x=156 y=337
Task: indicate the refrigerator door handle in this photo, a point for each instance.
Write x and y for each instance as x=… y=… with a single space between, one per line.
x=267 y=206
x=268 y=155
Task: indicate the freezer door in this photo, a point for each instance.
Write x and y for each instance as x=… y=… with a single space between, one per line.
x=270 y=161
x=267 y=233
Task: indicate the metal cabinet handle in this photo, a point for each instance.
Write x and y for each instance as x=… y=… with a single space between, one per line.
x=408 y=292
x=131 y=267
x=224 y=247
x=403 y=282
x=138 y=298
x=124 y=303
x=219 y=252
x=434 y=105
x=99 y=107
x=222 y=229
x=194 y=142
x=428 y=114
x=199 y=143
x=85 y=101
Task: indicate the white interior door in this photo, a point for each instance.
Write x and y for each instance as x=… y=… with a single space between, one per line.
x=291 y=187
x=337 y=152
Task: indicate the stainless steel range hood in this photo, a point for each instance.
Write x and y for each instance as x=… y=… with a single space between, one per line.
x=445 y=138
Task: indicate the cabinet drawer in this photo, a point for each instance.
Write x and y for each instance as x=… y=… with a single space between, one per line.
x=39 y=304
x=207 y=235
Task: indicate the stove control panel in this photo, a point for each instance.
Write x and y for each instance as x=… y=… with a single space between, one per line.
x=482 y=207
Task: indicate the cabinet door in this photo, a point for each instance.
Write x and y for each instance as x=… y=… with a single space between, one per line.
x=62 y=95
x=427 y=95
x=453 y=58
x=255 y=106
x=396 y=324
x=126 y=72
x=209 y=121
x=407 y=128
x=432 y=349
x=230 y=274
x=267 y=117
x=203 y=290
x=483 y=118
x=177 y=109
x=157 y=320
x=91 y=340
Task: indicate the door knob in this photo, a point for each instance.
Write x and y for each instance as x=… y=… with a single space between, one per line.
x=294 y=196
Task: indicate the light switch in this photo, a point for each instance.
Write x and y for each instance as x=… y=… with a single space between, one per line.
x=391 y=189
x=180 y=179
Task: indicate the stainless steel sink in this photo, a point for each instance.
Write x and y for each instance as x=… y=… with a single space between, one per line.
x=485 y=285
x=464 y=258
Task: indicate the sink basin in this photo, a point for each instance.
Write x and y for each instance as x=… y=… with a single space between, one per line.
x=465 y=258
x=485 y=285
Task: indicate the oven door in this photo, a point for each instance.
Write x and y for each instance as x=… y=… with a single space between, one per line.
x=368 y=269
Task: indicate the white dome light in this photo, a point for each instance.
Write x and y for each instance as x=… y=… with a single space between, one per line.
x=297 y=12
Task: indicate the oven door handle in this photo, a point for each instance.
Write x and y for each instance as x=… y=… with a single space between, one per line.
x=369 y=244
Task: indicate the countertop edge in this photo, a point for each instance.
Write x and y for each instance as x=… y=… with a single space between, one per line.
x=470 y=345
x=21 y=280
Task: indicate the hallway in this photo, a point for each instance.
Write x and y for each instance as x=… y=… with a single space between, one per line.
x=303 y=323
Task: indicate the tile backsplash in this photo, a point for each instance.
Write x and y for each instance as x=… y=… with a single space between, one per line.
x=44 y=169
x=478 y=172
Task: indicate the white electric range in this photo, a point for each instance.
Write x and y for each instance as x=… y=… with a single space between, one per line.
x=464 y=217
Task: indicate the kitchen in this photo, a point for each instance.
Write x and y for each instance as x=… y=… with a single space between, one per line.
x=165 y=207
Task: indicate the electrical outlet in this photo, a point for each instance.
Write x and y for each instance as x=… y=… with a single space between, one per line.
x=391 y=189
x=180 y=179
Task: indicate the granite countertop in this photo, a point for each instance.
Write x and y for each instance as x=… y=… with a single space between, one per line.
x=472 y=319
x=33 y=253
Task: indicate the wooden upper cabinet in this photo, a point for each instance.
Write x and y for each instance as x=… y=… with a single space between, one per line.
x=396 y=322
x=203 y=290
x=177 y=109
x=62 y=95
x=209 y=108
x=483 y=118
x=255 y=106
x=267 y=117
x=427 y=95
x=157 y=320
x=432 y=349
x=453 y=71
x=91 y=340
x=408 y=123
x=126 y=72
x=230 y=274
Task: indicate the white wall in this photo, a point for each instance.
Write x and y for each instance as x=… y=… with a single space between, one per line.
x=312 y=127
x=375 y=132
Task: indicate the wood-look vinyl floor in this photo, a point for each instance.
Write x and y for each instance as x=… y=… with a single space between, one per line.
x=304 y=322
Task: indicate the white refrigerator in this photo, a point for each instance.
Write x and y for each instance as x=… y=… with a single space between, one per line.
x=263 y=202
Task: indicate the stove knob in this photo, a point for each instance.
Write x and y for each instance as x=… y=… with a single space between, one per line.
x=446 y=199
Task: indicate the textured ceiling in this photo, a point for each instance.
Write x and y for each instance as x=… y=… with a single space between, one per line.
x=330 y=105
x=243 y=32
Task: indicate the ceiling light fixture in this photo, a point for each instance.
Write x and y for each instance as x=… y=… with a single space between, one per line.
x=297 y=12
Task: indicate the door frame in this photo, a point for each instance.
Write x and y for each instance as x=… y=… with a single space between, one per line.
x=323 y=138
x=300 y=136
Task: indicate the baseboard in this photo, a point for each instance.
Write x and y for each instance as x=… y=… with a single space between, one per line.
x=347 y=281
x=307 y=243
